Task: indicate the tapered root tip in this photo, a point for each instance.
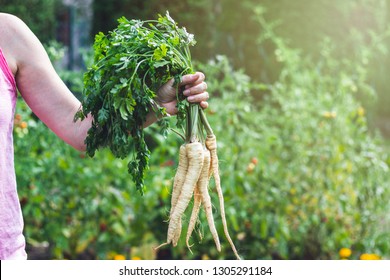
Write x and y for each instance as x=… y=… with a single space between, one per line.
x=237 y=255
x=161 y=245
x=189 y=248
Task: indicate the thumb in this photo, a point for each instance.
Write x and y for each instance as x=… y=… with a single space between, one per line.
x=166 y=91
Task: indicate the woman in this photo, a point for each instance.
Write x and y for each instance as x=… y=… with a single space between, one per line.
x=24 y=65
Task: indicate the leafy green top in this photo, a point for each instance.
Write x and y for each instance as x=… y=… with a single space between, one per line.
x=130 y=64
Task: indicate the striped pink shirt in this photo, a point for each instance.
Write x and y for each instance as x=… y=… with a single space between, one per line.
x=12 y=241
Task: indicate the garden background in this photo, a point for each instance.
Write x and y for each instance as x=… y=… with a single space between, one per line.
x=300 y=102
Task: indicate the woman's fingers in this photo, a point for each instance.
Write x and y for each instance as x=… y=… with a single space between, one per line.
x=199 y=97
x=192 y=79
x=204 y=104
x=195 y=88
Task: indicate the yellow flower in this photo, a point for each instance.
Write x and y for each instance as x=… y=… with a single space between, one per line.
x=136 y=258
x=330 y=115
x=251 y=166
x=119 y=257
x=345 y=253
x=360 y=111
x=241 y=236
x=367 y=257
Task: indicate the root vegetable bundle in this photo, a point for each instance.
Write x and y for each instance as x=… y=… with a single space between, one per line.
x=130 y=64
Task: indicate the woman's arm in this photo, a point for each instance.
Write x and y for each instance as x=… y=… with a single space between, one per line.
x=47 y=95
x=39 y=84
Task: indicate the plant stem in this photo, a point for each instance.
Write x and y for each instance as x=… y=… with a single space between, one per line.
x=192 y=123
x=178 y=133
x=209 y=130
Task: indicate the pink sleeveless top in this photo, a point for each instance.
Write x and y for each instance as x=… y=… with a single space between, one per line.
x=12 y=242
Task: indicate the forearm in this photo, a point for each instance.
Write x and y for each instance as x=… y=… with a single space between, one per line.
x=80 y=131
x=153 y=115
x=58 y=115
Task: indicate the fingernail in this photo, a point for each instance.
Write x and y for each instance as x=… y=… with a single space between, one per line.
x=186 y=92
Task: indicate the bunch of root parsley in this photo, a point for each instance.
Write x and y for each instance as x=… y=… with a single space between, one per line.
x=130 y=64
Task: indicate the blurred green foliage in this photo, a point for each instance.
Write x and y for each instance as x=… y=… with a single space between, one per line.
x=302 y=175
x=40 y=15
x=313 y=178
x=230 y=28
x=81 y=207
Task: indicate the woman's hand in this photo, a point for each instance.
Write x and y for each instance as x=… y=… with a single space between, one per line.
x=194 y=89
